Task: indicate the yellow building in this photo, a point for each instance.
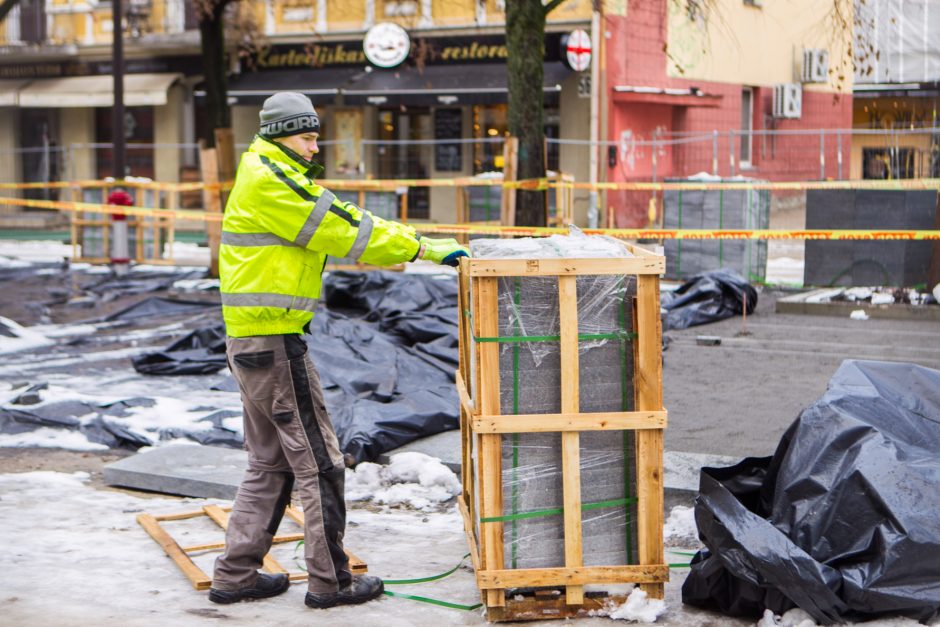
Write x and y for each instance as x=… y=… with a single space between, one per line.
x=381 y=116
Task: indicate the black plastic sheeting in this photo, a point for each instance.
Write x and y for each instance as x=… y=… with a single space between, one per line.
x=707 y=297
x=843 y=520
x=386 y=351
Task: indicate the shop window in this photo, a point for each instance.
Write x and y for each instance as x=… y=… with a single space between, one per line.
x=400 y=156
x=491 y=121
x=138 y=138
x=32 y=21
x=888 y=163
x=42 y=159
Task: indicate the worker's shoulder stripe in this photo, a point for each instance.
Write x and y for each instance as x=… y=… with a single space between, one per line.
x=306 y=195
x=322 y=205
x=230 y=238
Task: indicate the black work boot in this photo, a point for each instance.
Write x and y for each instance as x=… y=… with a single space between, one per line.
x=265 y=586
x=363 y=588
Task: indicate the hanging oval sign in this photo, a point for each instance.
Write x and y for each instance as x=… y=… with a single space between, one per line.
x=578 y=50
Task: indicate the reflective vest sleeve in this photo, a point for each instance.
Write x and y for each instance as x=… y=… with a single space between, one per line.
x=295 y=209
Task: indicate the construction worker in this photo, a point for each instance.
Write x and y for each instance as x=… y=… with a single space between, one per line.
x=279 y=227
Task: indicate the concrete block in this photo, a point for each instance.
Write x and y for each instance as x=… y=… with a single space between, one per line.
x=187 y=470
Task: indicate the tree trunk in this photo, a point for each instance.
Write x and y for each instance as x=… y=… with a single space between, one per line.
x=525 y=40
x=212 y=40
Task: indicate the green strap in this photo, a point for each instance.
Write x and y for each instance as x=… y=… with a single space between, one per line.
x=555 y=511
x=447 y=604
x=438 y=602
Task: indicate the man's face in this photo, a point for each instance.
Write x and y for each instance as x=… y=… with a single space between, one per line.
x=304 y=144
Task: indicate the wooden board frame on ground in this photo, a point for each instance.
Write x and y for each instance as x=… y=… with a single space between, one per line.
x=482 y=427
x=219 y=515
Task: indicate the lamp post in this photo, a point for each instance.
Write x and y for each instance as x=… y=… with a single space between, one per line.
x=119 y=242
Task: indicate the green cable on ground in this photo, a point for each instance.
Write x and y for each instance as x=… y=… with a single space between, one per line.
x=408 y=582
x=556 y=511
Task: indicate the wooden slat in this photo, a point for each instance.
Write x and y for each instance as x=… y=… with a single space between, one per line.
x=212 y=203
x=294 y=537
x=641 y=252
x=649 y=443
x=547 y=423
x=180 y=516
x=570 y=440
x=564 y=267
x=195 y=575
x=510 y=168
x=490 y=455
x=464 y=396
x=535 y=577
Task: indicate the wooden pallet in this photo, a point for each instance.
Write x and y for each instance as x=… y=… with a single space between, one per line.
x=219 y=515
x=482 y=428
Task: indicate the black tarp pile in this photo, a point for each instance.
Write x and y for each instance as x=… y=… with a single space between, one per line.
x=843 y=520
x=708 y=297
x=386 y=349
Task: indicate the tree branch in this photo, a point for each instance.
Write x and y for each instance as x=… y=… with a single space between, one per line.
x=551 y=6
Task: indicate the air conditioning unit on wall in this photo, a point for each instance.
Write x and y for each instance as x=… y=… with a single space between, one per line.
x=788 y=101
x=815 y=65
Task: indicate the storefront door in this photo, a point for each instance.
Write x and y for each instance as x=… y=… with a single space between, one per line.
x=41 y=157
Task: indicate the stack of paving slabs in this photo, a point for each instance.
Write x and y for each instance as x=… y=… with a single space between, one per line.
x=722 y=209
x=530 y=383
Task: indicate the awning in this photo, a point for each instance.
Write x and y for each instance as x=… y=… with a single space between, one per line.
x=675 y=97
x=445 y=84
x=9 y=91
x=140 y=90
x=320 y=85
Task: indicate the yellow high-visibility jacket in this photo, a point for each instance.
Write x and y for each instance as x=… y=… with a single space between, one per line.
x=278 y=229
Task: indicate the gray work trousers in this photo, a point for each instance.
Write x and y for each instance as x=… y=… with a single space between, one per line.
x=290 y=442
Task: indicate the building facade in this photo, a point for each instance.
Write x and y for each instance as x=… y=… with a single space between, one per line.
x=690 y=88
x=382 y=117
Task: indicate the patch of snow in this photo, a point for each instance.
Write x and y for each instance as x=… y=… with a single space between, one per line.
x=882 y=299
x=858 y=314
x=858 y=293
x=936 y=292
x=824 y=296
x=47 y=437
x=411 y=479
x=196 y=285
x=639 y=608
x=681 y=523
x=35 y=250
x=8 y=262
x=22 y=339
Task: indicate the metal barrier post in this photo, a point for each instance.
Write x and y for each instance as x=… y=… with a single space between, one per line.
x=715 y=153
x=839 y=152
x=822 y=155
x=731 y=150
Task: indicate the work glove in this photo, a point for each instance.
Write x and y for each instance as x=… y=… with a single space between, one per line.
x=443 y=251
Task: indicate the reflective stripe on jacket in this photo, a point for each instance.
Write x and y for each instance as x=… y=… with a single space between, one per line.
x=278 y=229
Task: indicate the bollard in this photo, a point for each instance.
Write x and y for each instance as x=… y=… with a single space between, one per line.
x=120 y=260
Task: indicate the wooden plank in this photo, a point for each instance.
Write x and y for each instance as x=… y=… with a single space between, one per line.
x=463 y=308
x=510 y=167
x=356 y=565
x=570 y=440
x=181 y=516
x=641 y=252
x=293 y=537
x=655 y=265
x=536 y=577
x=464 y=396
x=649 y=443
x=212 y=204
x=547 y=423
x=490 y=455
x=195 y=575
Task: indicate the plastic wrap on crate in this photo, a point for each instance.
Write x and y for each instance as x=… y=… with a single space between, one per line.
x=530 y=378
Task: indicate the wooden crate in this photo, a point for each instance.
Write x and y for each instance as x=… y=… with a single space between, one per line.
x=482 y=428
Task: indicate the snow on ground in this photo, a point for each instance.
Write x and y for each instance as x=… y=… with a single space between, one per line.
x=14 y=338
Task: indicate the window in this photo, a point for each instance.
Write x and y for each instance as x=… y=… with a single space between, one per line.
x=890 y=163
x=747 y=127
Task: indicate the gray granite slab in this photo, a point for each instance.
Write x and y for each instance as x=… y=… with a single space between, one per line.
x=187 y=470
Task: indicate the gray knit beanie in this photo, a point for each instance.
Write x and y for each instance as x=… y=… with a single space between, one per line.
x=288 y=113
